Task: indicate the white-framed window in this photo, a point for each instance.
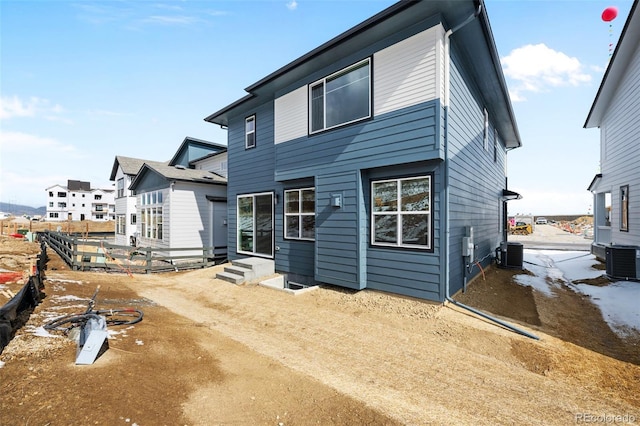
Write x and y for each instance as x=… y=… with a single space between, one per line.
x=485 y=134
x=120 y=224
x=624 y=208
x=341 y=98
x=133 y=218
x=120 y=193
x=97 y=197
x=496 y=141
x=151 y=219
x=401 y=212
x=300 y=214
x=53 y=215
x=250 y=132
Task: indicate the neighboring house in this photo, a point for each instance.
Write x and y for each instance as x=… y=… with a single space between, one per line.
x=122 y=173
x=193 y=154
x=616 y=112
x=366 y=162
x=78 y=201
x=193 y=150
x=181 y=208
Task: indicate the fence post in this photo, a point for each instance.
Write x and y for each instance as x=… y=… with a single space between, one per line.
x=74 y=253
x=148 y=256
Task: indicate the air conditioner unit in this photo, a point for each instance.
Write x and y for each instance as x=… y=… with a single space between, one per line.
x=623 y=262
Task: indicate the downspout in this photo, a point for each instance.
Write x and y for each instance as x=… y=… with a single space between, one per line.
x=447 y=273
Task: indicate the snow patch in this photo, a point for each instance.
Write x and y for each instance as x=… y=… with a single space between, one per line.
x=617 y=301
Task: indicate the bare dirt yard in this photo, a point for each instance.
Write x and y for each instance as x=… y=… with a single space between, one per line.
x=211 y=353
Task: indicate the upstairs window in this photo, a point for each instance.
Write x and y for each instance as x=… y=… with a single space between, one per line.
x=341 y=98
x=250 y=132
x=485 y=134
x=120 y=188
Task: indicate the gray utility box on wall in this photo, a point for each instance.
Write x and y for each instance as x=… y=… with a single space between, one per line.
x=623 y=262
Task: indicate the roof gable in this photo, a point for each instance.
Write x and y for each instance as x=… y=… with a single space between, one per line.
x=163 y=174
x=622 y=56
x=129 y=165
x=193 y=149
x=474 y=40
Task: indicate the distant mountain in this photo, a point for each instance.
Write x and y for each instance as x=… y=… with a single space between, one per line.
x=19 y=210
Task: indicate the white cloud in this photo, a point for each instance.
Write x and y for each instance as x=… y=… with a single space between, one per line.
x=292 y=5
x=18 y=142
x=13 y=106
x=536 y=68
x=173 y=20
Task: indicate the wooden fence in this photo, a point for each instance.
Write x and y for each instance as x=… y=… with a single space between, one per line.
x=84 y=254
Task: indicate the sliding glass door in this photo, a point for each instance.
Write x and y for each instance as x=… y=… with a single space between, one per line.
x=255 y=224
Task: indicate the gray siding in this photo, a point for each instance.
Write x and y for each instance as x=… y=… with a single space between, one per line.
x=475 y=179
x=620 y=156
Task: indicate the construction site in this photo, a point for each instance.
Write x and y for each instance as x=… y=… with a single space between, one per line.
x=210 y=352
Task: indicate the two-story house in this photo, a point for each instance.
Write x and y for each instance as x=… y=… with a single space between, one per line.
x=616 y=112
x=178 y=204
x=378 y=159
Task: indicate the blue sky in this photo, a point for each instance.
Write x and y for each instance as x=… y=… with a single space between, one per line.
x=84 y=81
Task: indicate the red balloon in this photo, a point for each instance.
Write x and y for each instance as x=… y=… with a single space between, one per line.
x=609 y=14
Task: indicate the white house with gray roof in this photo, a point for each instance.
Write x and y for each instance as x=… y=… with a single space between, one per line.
x=176 y=204
x=616 y=112
x=123 y=171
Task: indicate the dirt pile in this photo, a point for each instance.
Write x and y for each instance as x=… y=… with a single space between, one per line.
x=209 y=352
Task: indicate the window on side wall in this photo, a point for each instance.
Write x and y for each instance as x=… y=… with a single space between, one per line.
x=341 y=98
x=120 y=224
x=151 y=219
x=485 y=134
x=120 y=188
x=300 y=214
x=250 y=132
x=624 y=208
x=401 y=212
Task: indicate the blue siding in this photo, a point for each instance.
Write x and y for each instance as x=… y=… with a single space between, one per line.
x=293 y=256
x=406 y=135
x=338 y=259
x=475 y=179
x=406 y=142
x=416 y=273
x=250 y=170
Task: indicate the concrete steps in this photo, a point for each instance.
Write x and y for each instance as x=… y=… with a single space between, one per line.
x=247 y=270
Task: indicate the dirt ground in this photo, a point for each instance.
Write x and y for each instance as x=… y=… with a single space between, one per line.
x=211 y=353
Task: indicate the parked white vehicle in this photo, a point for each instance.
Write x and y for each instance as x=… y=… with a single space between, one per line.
x=541 y=221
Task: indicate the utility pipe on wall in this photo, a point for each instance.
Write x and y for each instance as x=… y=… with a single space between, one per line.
x=447 y=242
